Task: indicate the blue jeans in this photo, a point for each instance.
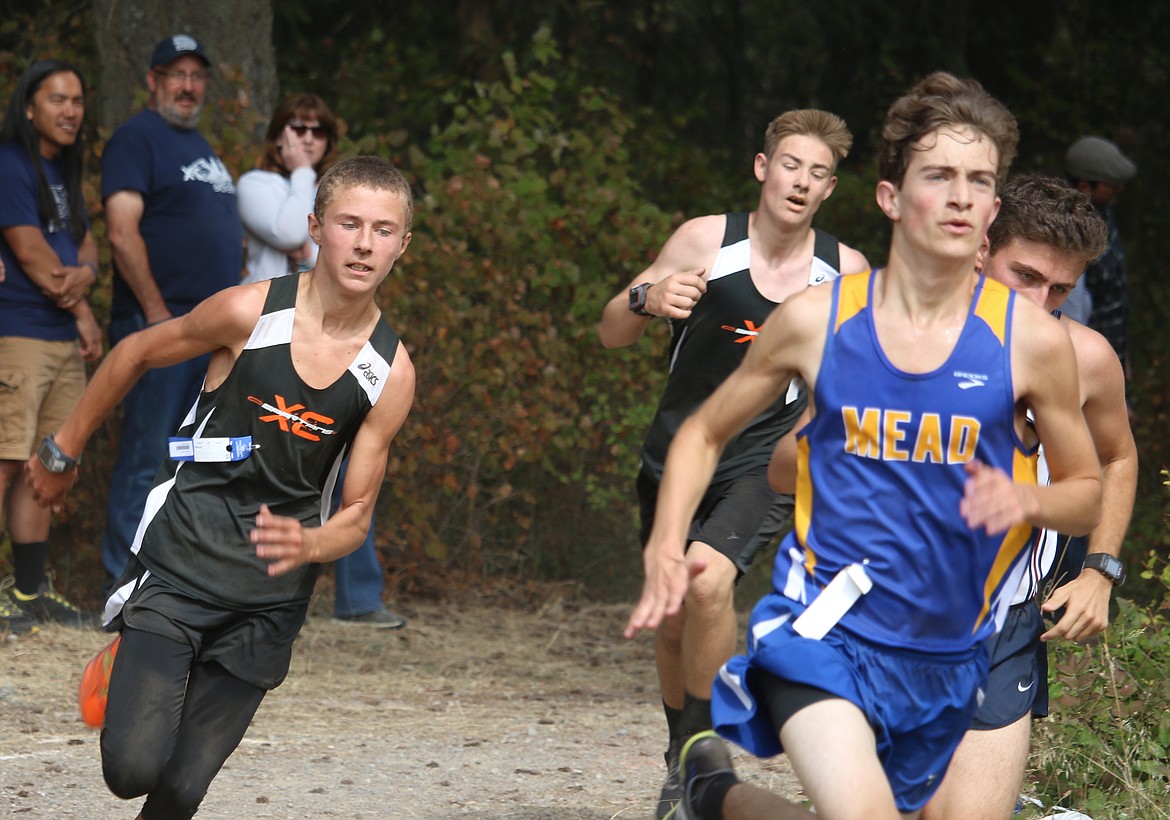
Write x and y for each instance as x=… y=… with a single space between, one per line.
x=358 y=576
x=151 y=412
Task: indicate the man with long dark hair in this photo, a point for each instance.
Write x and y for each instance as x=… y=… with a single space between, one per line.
x=46 y=325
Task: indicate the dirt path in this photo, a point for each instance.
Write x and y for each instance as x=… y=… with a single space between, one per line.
x=471 y=711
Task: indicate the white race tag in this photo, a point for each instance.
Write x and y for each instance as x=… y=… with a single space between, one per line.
x=235 y=448
x=833 y=602
x=794 y=388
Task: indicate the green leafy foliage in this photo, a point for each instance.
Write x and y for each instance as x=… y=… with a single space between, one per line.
x=525 y=432
x=1105 y=748
x=554 y=146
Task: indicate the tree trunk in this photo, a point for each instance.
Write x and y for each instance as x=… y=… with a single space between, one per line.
x=236 y=36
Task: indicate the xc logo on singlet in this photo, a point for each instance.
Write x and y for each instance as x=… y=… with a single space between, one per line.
x=747 y=333
x=292 y=420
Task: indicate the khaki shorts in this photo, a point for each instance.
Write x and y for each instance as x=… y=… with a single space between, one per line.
x=40 y=384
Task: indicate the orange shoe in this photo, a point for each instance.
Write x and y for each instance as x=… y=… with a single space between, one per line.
x=95 y=684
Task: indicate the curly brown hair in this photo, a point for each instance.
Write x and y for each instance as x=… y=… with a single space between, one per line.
x=942 y=100
x=1051 y=212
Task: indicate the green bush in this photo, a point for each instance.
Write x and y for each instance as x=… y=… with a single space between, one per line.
x=521 y=449
x=1105 y=748
x=543 y=188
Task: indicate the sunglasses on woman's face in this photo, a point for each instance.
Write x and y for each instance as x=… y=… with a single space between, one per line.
x=299 y=128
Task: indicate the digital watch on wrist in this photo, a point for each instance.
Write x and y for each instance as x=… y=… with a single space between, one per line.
x=638 y=299
x=54 y=460
x=1107 y=565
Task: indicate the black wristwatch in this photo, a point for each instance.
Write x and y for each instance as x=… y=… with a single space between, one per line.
x=638 y=299
x=1107 y=565
x=54 y=460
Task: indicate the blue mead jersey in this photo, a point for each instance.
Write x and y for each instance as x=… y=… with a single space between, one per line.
x=881 y=476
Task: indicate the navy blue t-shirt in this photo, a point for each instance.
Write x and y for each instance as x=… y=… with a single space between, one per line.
x=190 y=221
x=24 y=310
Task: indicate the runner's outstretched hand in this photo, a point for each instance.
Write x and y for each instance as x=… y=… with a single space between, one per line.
x=667 y=580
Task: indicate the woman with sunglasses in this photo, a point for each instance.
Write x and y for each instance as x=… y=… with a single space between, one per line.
x=275 y=202
x=277 y=197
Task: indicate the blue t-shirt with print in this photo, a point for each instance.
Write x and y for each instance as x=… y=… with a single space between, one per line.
x=24 y=309
x=190 y=219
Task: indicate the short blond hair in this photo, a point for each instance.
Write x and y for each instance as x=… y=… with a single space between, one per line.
x=810 y=122
x=374 y=173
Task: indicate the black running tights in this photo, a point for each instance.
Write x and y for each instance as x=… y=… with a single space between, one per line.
x=171 y=723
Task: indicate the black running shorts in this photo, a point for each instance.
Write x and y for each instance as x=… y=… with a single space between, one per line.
x=738 y=517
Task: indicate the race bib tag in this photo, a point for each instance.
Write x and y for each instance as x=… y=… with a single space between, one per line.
x=235 y=448
x=794 y=388
x=833 y=602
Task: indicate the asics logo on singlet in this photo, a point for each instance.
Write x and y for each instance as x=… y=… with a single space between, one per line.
x=969 y=380
x=747 y=333
x=368 y=374
x=292 y=420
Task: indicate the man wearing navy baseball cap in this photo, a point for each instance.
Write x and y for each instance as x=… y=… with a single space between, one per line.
x=178 y=80
x=172 y=48
x=175 y=232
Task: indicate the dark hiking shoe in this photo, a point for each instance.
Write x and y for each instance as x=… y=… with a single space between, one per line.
x=12 y=618
x=704 y=756
x=48 y=606
x=378 y=619
x=672 y=787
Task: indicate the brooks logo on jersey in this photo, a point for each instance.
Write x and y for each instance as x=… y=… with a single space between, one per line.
x=896 y=435
x=968 y=380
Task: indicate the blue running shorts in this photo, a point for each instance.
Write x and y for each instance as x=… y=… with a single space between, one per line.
x=918 y=704
x=1017 y=680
